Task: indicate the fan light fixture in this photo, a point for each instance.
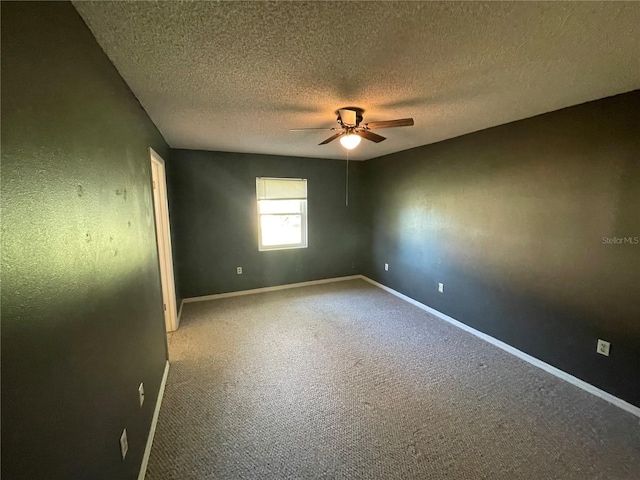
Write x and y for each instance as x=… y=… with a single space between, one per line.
x=350 y=141
x=351 y=130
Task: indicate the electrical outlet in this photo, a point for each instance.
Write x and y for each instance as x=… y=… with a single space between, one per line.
x=239 y=270
x=386 y=267
x=603 y=347
x=141 y=393
x=441 y=287
x=124 y=444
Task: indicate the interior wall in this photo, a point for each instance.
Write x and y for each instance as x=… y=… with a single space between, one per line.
x=82 y=320
x=515 y=221
x=212 y=198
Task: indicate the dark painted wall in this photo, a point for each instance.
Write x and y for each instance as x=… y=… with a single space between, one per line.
x=212 y=199
x=82 y=321
x=512 y=221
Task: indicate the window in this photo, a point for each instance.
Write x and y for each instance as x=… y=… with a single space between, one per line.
x=282 y=213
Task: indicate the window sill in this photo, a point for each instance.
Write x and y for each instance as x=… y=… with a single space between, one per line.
x=284 y=247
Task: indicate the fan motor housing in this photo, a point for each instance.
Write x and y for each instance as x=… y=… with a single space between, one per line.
x=359 y=112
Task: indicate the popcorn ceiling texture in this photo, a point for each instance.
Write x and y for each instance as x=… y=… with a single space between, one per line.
x=235 y=76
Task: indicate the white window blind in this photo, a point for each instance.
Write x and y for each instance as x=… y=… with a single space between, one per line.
x=281 y=188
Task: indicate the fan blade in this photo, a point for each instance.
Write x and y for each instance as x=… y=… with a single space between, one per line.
x=374 y=137
x=332 y=138
x=305 y=129
x=401 y=122
x=348 y=117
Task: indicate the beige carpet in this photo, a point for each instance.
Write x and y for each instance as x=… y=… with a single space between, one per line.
x=344 y=380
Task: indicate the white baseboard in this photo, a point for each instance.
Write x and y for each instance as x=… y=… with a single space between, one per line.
x=618 y=402
x=268 y=289
x=154 y=423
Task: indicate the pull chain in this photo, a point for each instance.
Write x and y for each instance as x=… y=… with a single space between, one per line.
x=346 y=199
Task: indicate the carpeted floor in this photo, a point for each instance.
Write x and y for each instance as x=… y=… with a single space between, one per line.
x=346 y=381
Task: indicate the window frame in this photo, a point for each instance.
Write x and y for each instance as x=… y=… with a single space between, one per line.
x=303 y=220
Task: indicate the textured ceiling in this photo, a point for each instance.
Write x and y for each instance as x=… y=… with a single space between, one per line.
x=235 y=76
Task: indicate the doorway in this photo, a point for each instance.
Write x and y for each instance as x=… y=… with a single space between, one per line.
x=163 y=238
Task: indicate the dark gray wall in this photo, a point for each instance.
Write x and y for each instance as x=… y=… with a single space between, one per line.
x=82 y=321
x=212 y=199
x=511 y=220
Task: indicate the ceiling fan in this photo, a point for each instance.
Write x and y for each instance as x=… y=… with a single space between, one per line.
x=351 y=128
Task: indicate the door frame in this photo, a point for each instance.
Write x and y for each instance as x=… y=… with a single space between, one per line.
x=163 y=240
